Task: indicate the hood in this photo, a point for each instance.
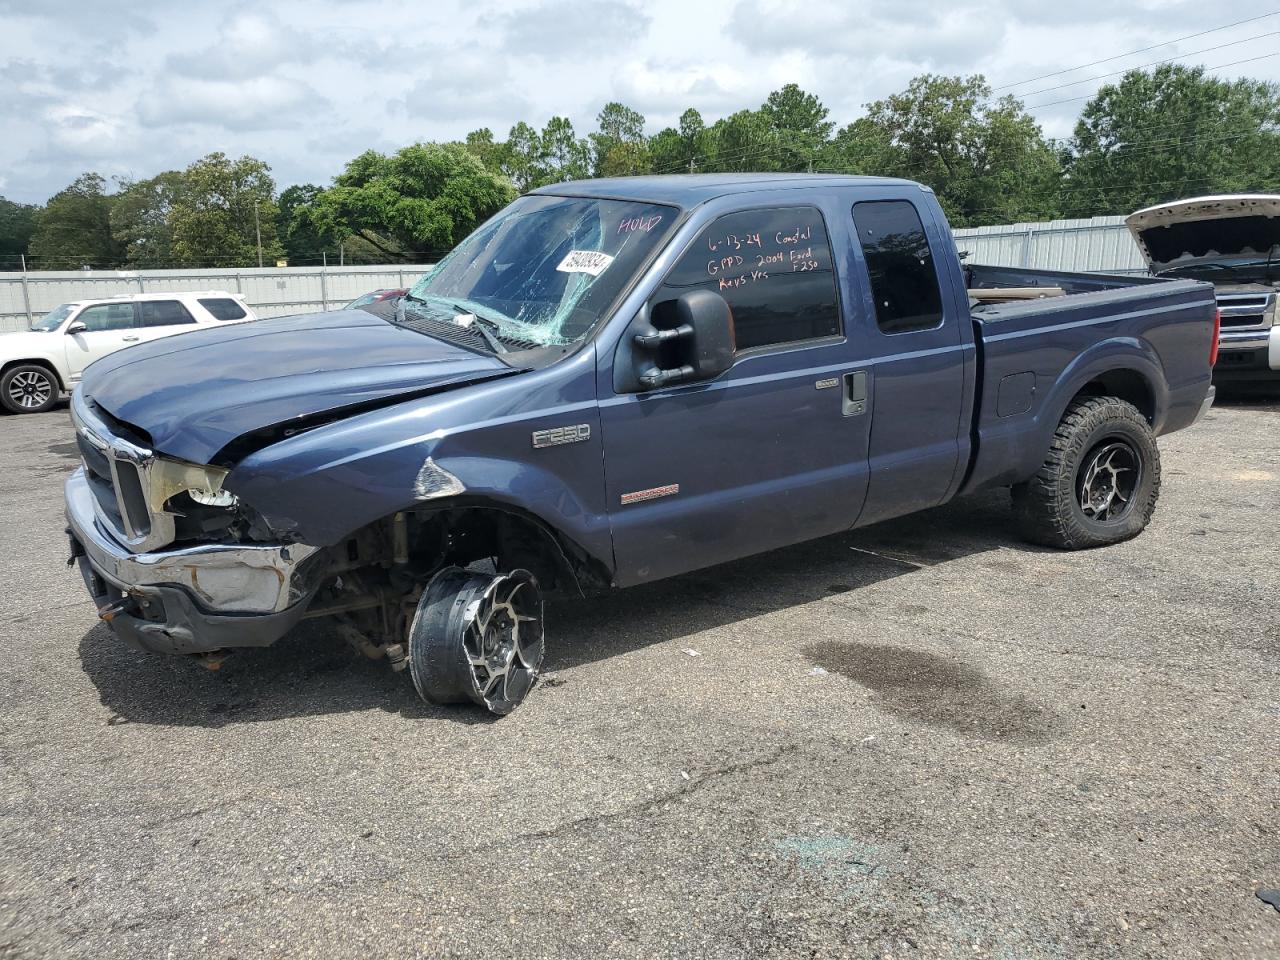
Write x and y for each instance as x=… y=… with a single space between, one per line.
x=1240 y=226
x=28 y=343
x=196 y=392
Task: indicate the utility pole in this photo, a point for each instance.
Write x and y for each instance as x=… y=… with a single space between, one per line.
x=257 y=228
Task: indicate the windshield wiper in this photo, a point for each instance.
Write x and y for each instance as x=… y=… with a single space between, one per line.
x=486 y=327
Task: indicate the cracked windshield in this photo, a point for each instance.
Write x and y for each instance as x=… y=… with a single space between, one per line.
x=544 y=270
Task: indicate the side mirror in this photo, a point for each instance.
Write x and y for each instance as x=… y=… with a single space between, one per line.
x=698 y=345
x=75 y=326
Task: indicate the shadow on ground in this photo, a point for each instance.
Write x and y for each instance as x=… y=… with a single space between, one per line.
x=1264 y=396
x=313 y=672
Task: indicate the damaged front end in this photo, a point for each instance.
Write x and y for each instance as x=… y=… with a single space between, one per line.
x=175 y=563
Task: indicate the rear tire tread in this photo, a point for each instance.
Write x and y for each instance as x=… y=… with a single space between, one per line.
x=1044 y=506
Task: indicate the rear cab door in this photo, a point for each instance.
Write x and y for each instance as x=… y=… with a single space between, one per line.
x=917 y=343
x=774 y=450
x=108 y=327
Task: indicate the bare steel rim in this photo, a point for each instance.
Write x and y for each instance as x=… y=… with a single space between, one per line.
x=503 y=640
x=30 y=389
x=1108 y=481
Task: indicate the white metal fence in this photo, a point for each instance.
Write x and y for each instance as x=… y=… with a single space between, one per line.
x=271 y=291
x=1099 y=245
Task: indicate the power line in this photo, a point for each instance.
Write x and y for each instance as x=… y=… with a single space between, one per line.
x=1089 y=96
x=1119 y=56
x=1153 y=63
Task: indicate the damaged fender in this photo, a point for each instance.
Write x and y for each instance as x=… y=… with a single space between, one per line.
x=476 y=441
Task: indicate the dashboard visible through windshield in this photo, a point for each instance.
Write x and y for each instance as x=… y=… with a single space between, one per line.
x=546 y=268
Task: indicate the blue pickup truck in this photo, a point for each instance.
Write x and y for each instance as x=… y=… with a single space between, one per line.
x=611 y=382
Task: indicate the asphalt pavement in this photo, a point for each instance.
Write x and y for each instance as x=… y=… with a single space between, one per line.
x=923 y=739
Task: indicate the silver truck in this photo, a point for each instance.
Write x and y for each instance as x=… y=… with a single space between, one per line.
x=1232 y=241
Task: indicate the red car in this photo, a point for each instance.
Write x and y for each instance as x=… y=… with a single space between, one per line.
x=377 y=296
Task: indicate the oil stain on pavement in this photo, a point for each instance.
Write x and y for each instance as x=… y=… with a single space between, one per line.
x=936 y=690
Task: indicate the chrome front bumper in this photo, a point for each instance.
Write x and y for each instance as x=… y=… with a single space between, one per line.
x=1268 y=340
x=222 y=579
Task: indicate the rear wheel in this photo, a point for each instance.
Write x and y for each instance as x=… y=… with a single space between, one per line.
x=477 y=638
x=1099 y=483
x=28 y=388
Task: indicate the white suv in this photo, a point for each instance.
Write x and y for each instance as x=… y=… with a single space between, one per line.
x=38 y=366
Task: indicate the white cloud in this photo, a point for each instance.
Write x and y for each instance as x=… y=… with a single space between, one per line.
x=572 y=29
x=259 y=103
x=138 y=86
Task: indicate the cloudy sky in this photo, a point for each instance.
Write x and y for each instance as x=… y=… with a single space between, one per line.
x=129 y=89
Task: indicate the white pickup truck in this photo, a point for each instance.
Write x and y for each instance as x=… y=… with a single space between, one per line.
x=1232 y=241
x=39 y=365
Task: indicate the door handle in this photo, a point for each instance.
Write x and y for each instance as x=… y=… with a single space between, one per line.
x=130 y=339
x=854 y=401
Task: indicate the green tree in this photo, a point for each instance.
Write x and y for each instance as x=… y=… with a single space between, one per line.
x=216 y=218
x=523 y=155
x=74 y=228
x=986 y=158
x=563 y=155
x=420 y=200
x=743 y=141
x=481 y=145
x=141 y=218
x=683 y=149
x=619 y=145
x=17 y=224
x=304 y=242
x=800 y=126
x=1170 y=133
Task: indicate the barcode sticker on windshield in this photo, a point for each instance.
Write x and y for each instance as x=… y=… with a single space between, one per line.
x=585 y=261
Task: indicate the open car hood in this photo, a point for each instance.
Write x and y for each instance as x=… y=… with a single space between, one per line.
x=1207 y=228
x=196 y=392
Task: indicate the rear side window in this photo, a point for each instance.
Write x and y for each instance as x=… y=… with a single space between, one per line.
x=773 y=267
x=904 y=283
x=107 y=316
x=222 y=308
x=163 y=313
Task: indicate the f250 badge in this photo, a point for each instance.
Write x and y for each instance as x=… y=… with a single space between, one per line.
x=561 y=435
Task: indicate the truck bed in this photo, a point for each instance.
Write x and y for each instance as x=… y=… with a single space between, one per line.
x=1035 y=355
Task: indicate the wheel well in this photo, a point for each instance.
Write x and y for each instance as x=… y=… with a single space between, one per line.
x=1127 y=385
x=415 y=544
x=34 y=363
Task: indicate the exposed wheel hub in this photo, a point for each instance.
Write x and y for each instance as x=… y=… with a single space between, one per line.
x=478 y=637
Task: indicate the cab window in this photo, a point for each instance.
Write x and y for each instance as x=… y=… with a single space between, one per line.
x=904 y=283
x=773 y=266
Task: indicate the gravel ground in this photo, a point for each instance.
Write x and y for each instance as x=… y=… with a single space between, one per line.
x=922 y=739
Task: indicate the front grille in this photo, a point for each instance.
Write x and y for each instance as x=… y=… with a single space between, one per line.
x=1245 y=309
x=117 y=470
x=95 y=461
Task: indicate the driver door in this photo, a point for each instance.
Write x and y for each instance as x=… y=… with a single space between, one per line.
x=108 y=327
x=772 y=451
